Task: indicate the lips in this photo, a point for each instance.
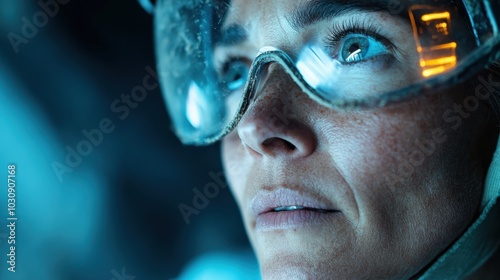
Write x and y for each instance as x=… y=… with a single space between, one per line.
x=284 y=207
x=299 y=207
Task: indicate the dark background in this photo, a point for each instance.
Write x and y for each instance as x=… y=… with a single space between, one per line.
x=119 y=207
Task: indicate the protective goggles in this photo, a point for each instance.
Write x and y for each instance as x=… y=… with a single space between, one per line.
x=343 y=54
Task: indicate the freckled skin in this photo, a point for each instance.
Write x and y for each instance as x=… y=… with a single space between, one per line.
x=392 y=223
x=387 y=231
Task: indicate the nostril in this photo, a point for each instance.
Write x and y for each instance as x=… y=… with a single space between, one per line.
x=278 y=143
x=290 y=146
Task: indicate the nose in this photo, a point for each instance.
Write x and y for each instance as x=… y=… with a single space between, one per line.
x=275 y=124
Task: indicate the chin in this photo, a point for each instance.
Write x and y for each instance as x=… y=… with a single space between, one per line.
x=282 y=268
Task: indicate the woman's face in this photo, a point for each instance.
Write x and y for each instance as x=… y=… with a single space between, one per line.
x=324 y=194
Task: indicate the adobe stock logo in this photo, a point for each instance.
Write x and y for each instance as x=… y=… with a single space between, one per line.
x=121 y=276
x=40 y=19
x=93 y=138
x=201 y=199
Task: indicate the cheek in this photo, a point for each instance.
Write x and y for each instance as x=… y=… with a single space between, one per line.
x=235 y=165
x=388 y=156
x=366 y=146
x=405 y=166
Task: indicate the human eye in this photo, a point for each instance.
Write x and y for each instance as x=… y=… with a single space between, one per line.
x=356 y=42
x=356 y=48
x=233 y=73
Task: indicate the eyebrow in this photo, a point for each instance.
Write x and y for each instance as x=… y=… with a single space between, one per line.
x=232 y=35
x=318 y=10
x=315 y=11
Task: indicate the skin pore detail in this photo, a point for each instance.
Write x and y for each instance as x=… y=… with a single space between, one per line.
x=383 y=226
x=348 y=167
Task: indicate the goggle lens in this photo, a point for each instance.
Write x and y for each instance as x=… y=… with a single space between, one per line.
x=210 y=73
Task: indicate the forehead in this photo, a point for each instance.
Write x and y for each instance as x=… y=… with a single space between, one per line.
x=283 y=19
x=311 y=8
x=261 y=19
x=263 y=8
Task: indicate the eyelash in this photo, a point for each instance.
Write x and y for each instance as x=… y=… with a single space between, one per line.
x=232 y=54
x=335 y=35
x=340 y=30
x=222 y=64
